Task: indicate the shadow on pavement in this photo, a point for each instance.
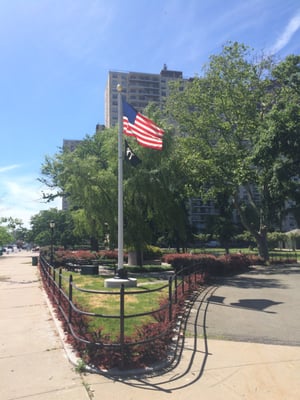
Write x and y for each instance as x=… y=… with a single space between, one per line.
x=256 y=304
x=248 y=281
x=276 y=269
x=180 y=375
x=249 y=304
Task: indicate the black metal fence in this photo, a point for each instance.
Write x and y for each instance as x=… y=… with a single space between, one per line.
x=62 y=290
x=283 y=257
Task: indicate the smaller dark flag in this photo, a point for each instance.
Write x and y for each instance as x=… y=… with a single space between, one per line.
x=130 y=156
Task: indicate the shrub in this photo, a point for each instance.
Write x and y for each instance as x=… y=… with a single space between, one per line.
x=152 y=252
x=226 y=264
x=62 y=257
x=109 y=254
x=186 y=261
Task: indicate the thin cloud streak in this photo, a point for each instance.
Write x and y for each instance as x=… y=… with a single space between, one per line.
x=21 y=197
x=286 y=36
x=9 y=168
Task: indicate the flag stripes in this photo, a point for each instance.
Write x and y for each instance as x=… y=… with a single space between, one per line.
x=142 y=128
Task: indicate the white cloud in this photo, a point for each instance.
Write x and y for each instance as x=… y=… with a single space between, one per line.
x=21 y=197
x=286 y=36
x=9 y=168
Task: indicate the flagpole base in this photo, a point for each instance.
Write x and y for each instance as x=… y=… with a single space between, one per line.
x=121 y=273
x=118 y=282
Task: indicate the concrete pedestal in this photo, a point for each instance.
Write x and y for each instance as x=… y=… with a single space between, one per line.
x=117 y=282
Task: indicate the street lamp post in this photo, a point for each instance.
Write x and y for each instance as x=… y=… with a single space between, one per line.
x=106 y=235
x=52 y=226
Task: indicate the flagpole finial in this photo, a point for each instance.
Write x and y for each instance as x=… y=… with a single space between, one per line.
x=119 y=87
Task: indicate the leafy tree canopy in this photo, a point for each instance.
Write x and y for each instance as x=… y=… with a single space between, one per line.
x=239 y=121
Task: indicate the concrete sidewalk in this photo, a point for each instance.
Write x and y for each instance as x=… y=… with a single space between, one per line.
x=34 y=364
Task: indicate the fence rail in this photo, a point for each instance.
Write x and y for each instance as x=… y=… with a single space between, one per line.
x=62 y=292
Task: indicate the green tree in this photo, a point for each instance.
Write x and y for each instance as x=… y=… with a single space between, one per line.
x=223 y=115
x=221 y=226
x=87 y=178
x=5 y=236
x=63 y=232
x=278 y=148
x=153 y=191
x=154 y=197
x=14 y=227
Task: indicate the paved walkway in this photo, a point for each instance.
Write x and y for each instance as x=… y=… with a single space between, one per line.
x=34 y=365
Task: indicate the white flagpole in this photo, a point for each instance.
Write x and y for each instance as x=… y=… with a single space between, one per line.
x=120 y=184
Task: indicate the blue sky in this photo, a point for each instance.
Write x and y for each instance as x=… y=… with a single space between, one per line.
x=56 y=54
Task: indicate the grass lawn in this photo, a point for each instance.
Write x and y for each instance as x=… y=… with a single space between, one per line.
x=109 y=303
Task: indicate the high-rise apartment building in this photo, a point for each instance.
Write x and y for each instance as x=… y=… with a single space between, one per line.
x=138 y=88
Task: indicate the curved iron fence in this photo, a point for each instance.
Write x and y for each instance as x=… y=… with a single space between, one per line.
x=62 y=292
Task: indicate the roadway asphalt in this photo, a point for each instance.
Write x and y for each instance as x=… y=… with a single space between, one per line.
x=261 y=306
x=242 y=341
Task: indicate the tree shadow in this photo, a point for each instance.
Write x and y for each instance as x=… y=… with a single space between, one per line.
x=216 y=299
x=256 y=304
x=276 y=269
x=249 y=304
x=250 y=282
x=258 y=277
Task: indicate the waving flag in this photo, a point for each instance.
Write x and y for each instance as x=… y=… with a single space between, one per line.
x=130 y=156
x=142 y=128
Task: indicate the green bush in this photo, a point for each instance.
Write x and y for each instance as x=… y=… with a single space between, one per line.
x=152 y=252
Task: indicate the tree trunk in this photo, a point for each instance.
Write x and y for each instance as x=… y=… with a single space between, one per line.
x=94 y=244
x=135 y=258
x=260 y=236
x=262 y=244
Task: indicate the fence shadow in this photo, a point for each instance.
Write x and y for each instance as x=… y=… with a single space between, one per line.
x=175 y=376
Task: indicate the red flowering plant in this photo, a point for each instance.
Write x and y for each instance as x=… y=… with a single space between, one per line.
x=62 y=257
x=111 y=254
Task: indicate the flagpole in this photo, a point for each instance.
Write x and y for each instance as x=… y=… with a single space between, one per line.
x=120 y=184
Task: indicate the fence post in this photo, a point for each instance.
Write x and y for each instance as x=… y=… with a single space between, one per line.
x=70 y=298
x=48 y=275
x=176 y=299
x=59 y=285
x=170 y=299
x=53 y=282
x=122 y=322
x=195 y=275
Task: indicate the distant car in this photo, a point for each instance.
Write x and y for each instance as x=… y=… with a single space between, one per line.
x=35 y=249
x=212 y=243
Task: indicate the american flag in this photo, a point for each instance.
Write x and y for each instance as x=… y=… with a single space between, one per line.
x=142 y=128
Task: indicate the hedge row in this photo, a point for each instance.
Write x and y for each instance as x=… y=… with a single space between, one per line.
x=215 y=265
x=212 y=264
x=61 y=256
